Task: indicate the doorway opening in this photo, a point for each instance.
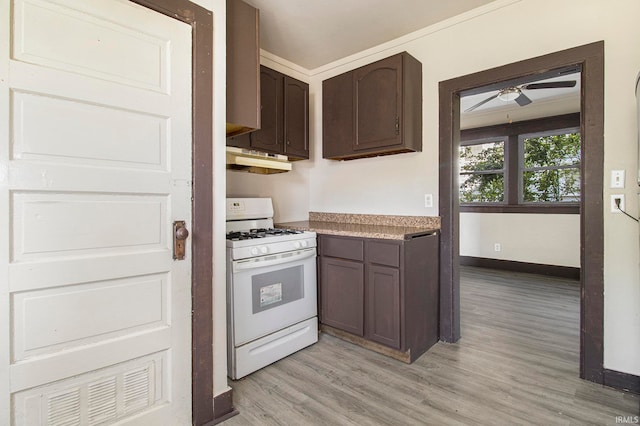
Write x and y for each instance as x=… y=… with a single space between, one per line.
x=590 y=59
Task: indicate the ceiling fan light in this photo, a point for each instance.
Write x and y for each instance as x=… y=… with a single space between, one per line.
x=509 y=94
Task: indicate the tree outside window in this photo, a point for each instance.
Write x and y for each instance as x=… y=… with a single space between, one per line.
x=482 y=172
x=551 y=168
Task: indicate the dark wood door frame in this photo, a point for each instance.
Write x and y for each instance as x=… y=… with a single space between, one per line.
x=591 y=59
x=201 y=21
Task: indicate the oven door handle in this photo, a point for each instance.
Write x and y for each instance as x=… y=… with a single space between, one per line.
x=260 y=262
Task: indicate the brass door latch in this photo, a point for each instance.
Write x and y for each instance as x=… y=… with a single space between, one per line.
x=180 y=234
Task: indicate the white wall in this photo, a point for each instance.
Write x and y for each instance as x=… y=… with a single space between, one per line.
x=547 y=239
x=488 y=37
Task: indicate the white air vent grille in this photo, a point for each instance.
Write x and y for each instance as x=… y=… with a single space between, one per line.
x=102 y=403
x=136 y=390
x=63 y=409
x=101 y=398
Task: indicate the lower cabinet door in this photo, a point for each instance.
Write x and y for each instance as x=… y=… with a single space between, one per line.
x=342 y=294
x=383 y=305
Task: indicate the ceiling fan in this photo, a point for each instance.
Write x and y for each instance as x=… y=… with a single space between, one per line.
x=514 y=93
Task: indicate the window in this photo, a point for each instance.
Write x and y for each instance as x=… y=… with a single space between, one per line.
x=531 y=166
x=550 y=168
x=482 y=172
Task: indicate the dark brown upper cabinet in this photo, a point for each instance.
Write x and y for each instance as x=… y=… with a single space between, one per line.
x=241 y=141
x=284 y=117
x=373 y=110
x=296 y=118
x=243 y=68
x=269 y=137
x=337 y=116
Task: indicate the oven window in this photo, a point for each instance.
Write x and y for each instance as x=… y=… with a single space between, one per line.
x=276 y=288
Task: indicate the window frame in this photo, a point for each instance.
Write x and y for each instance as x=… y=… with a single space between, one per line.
x=512 y=132
x=522 y=169
x=503 y=171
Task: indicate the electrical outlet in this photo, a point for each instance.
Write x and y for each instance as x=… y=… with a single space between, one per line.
x=617 y=178
x=428 y=200
x=497 y=247
x=614 y=207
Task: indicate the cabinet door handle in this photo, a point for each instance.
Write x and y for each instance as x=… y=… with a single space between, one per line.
x=397 y=125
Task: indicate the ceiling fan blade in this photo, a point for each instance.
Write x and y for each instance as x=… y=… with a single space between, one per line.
x=490 y=98
x=523 y=100
x=549 y=85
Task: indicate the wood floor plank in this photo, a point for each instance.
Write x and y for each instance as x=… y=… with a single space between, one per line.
x=516 y=363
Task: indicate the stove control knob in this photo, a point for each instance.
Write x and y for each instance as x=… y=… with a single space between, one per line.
x=296 y=244
x=254 y=251
x=304 y=243
x=264 y=250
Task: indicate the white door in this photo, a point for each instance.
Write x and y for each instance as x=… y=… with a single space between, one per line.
x=95 y=154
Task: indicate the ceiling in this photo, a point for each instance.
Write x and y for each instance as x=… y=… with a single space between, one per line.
x=315 y=33
x=545 y=102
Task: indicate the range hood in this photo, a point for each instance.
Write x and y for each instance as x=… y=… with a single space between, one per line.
x=246 y=160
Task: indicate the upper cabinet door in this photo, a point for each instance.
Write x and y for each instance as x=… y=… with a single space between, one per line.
x=296 y=118
x=337 y=116
x=269 y=137
x=378 y=104
x=243 y=68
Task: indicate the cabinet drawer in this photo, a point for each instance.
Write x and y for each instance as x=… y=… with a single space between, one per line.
x=345 y=248
x=380 y=253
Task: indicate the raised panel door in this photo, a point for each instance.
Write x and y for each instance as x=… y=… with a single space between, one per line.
x=296 y=118
x=378 y=104
x=337 y=116
x=95 y=165
x=342 y=294
x=383 y=305
x=269 y=137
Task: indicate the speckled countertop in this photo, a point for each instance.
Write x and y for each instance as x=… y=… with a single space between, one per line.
x=365 y=225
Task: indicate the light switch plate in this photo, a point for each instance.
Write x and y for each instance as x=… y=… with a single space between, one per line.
x=428 y=200
x=617 y=178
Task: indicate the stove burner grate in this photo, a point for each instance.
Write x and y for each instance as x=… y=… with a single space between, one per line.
x=260 y=233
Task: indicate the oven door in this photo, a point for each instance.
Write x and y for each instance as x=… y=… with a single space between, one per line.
x=269 y=293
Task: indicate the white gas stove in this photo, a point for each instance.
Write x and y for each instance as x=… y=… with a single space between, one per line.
x=250 y=230
x=271 y=287
x=262 y=241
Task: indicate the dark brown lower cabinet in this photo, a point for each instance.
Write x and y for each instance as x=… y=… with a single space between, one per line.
x=383 y=305
x=343 y=294
x=382 y=291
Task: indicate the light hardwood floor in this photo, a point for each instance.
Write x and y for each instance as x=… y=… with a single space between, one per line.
x=516 y=364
